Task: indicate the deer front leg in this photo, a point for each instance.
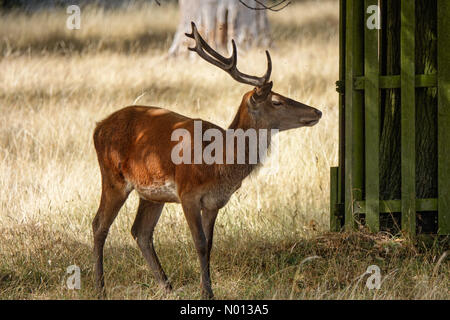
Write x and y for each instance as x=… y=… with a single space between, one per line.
x=192 y=212
x=208 y=220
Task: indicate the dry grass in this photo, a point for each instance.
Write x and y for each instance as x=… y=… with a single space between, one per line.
x=55 y=84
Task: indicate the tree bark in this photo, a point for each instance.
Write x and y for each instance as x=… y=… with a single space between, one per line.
x=219 y=21
x=426 y=102
x=390 y=158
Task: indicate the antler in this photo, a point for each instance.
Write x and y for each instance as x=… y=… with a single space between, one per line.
x=227 y=64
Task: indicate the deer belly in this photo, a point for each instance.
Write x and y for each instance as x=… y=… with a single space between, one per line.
x=164 y=192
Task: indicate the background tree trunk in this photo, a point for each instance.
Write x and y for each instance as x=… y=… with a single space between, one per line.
x=219 y=21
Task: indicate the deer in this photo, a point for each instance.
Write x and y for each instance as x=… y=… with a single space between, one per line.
x=133 y=147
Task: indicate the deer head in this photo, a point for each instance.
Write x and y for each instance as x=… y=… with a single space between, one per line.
x=263 y=106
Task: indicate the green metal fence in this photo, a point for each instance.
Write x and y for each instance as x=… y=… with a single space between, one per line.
x=355 y=184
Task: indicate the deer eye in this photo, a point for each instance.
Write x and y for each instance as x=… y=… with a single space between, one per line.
x=277 y=103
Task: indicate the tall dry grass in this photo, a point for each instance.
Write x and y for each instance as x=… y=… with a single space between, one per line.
x=56 y=83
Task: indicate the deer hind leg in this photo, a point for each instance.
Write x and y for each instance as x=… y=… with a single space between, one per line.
x=146 y=219
x=192 y=212
x=112 y=199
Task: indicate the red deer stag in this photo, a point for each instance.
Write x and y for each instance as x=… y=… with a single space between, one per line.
x=134 y=147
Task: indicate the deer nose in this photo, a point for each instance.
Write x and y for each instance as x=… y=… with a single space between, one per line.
x=319 y=113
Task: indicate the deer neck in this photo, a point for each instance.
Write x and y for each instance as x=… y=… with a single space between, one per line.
x=245 y=121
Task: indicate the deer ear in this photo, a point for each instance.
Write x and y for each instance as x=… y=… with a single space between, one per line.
x=263 y=91
x=259 y=95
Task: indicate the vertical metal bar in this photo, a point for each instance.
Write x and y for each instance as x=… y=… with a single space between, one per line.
x=372 y=115
x=354 y=134
x=335 y=224
x=408 y=117
x=443 y=116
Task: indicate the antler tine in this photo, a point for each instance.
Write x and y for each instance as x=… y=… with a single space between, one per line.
x=200 y=43
x=207 y=57
x=256 y=81
x=269 y=67
x=227 y=64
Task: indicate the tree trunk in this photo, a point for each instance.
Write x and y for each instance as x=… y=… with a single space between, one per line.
x=219 y=21
x=390 y=160
x=426 y=102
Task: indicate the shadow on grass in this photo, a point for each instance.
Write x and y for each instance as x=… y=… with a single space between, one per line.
x=324 y=28
x=65 y=43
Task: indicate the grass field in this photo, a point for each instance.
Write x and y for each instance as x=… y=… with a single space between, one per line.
x=56 y=83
